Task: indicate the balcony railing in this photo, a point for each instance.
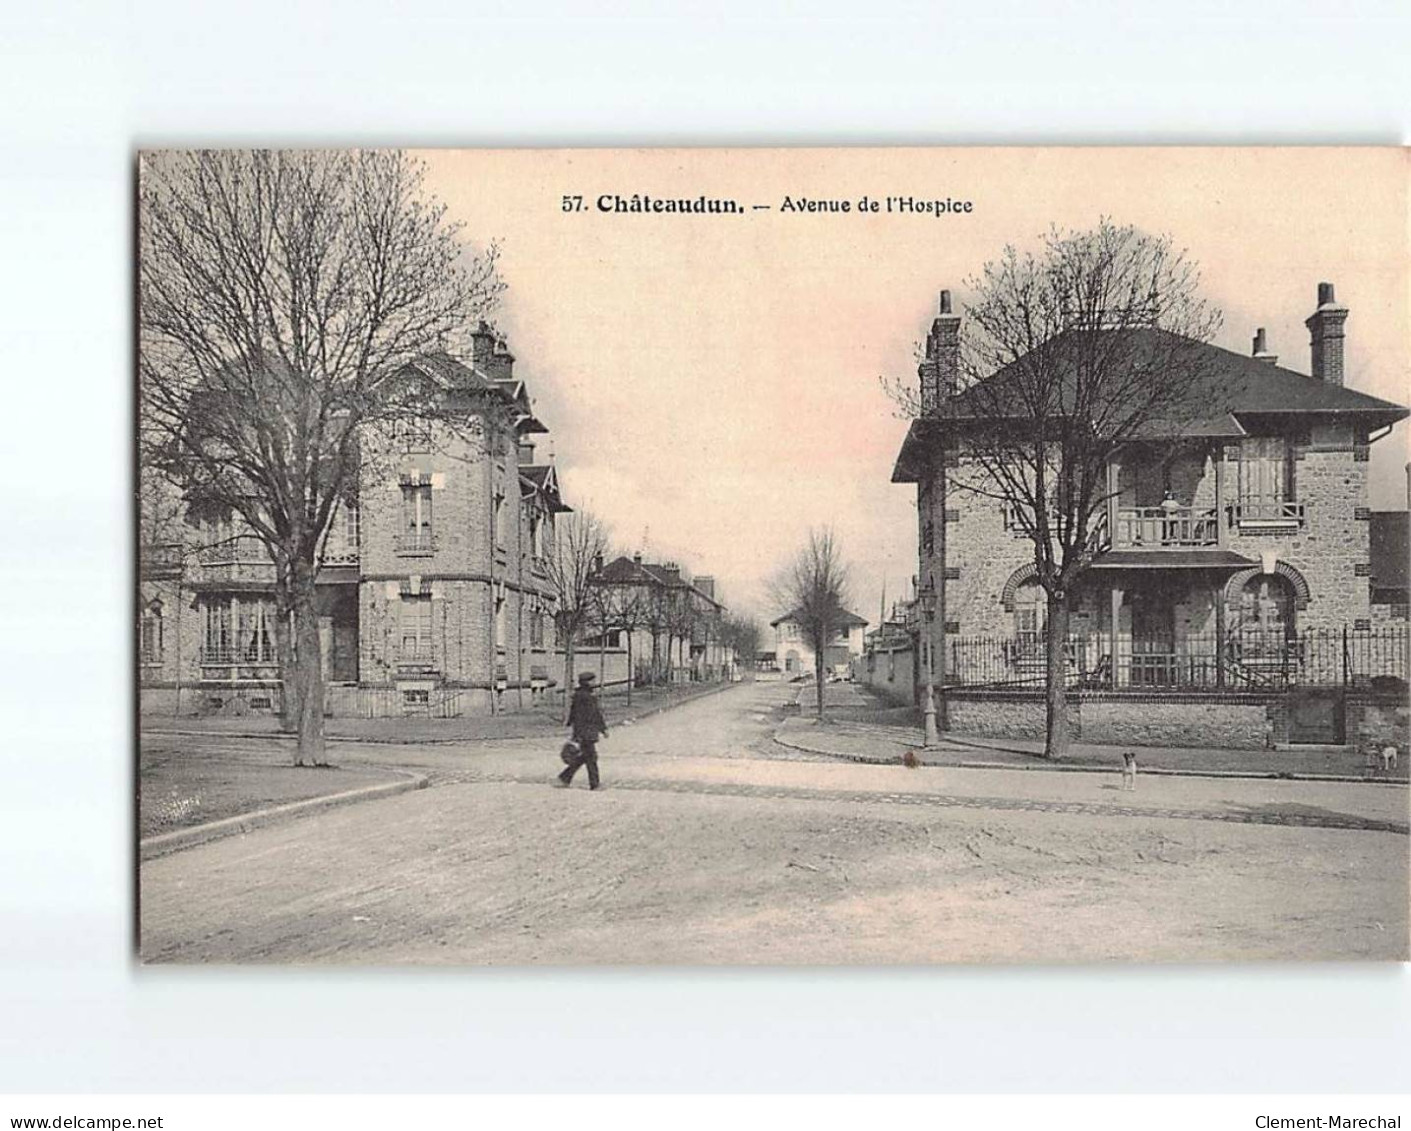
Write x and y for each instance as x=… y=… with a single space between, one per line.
x=420 y=542
x=219 y=655
x=1268 y=514
x=1162 y=528
x=161 y=560
x=341 y=556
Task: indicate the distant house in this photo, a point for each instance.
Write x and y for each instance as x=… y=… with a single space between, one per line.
x=668 y=622
x=794 y=654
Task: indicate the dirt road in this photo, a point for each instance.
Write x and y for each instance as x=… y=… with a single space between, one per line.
x=710 y=846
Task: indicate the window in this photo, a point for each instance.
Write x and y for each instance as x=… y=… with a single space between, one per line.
x=1030 y=619
x=1266 y=607
x=416 y=536
x=414 y=625
x=150 y=640
x=536 y=535
x=500 y=604
x=498 y=519
x=1266 y=481
x=238 y=630
x=413 y=433
x=352 y=534
x=536 y=627
x=253 y=632
x=215 y=632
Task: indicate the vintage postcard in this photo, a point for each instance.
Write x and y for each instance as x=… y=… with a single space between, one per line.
x=925 y=555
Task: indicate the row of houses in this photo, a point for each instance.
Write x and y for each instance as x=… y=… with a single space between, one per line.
x=436 y=588
x=1243 y=592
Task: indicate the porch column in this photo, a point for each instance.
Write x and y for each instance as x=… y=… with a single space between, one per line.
x=1114 y=482
x=1116 y=612
x=1220 y=532
x=1220 y=626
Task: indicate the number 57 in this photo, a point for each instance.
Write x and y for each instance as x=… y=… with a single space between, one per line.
x=573 y=204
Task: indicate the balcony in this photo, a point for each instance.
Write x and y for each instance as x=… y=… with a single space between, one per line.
x=161 y=560
x=415 y=543
x=1167 y=527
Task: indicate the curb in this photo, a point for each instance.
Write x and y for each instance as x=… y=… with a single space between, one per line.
x=167 y=843
x=284 y=736
x=1085 y=768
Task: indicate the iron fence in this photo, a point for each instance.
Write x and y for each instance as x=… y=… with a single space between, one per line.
x=1360 y=658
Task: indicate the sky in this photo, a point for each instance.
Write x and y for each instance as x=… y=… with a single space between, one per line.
x=713 y=382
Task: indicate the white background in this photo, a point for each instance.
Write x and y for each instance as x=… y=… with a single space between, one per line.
x=85 y=84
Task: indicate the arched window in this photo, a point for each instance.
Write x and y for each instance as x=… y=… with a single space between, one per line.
x=1267 y=606
x=1030 y=617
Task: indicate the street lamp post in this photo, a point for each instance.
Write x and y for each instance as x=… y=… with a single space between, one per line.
x=927 y=599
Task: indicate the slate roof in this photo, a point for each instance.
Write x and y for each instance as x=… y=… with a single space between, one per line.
x=1253 y=389
x=844 y=618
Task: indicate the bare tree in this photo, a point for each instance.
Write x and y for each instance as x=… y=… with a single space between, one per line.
x=814 y=588
x=1067 y=355
x=580 y=541
x=741 y=634
x=622 y=606
x=280 y=296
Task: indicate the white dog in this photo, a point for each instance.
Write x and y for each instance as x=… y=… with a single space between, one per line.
x=1129 y=771
x=1388 y=757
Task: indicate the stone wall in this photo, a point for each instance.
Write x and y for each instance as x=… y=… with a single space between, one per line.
x=1136 y=721
x=890 y=673
x=1226 y=726
x=1375 y=723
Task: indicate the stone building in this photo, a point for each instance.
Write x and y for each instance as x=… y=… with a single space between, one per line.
x=667 y=622
x=435 y=596
x=1233 y=561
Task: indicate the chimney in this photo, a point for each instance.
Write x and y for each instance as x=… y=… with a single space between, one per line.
x=940 y=369
x=672 y=571
x=526 y=453
x=482 y=347
x=1325 y=336
x=501 y=363
x=707 y=586
x=637 y=558
x=1261 y=348
x=597 y=563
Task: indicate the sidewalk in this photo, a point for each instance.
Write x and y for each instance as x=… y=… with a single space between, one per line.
x=405 y=730
x=879 y=743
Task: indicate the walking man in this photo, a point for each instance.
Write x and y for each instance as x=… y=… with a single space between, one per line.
x=585 y=718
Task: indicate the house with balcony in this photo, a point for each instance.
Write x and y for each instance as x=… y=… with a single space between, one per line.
x=1228 y=601
x=433 y=588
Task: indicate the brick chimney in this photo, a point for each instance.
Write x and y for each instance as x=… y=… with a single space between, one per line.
x=707 y=586
x=526 y=452
x=940 y=368
x=1261 y=348
x=482 y=347
x=637 y=558
x=500 y=366
x=672 y=571
x=1325 y=334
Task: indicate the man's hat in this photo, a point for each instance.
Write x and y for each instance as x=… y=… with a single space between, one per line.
x=586 y=677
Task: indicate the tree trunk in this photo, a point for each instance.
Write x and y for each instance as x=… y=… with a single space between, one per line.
x=308 y=670
x=1056 y=680
x=631 y=671
x=567 y=680
x=818 y=678
x=284 y=652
